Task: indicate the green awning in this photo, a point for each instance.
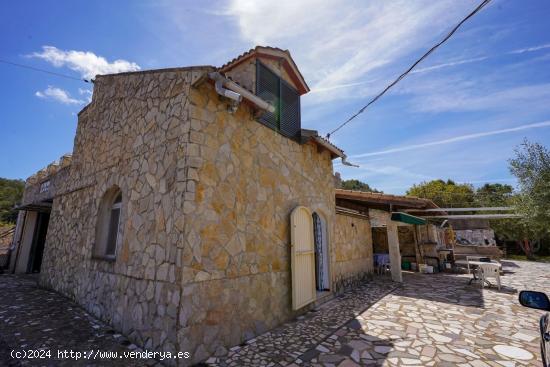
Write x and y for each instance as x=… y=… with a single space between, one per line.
x=407 y=218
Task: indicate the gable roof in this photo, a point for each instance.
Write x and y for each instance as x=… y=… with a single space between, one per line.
x=271 y=53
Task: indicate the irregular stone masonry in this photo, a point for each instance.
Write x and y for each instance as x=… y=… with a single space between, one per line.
x=206 y=196
x=353 y=247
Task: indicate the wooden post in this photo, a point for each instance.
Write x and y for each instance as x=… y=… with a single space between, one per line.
x=417 y=246
x=393 y=247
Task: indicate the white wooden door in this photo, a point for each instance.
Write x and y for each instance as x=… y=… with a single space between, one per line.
x=302 y=257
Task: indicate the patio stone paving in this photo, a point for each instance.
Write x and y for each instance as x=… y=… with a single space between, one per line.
x=298 y=339
x=32 y=318
x=432 y=320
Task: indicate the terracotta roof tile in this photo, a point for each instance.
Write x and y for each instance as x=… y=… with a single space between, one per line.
x=303 y=88
x=249 y=52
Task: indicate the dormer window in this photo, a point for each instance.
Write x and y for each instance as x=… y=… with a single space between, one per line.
x=286 y=100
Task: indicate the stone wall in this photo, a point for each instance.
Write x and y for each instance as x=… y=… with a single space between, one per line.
x=133 y=135
x=353 y=246
x=406 y=242
x=380 y=240
x=244 y=74
x=57 y=179
x=206 y=196
x=248 y=180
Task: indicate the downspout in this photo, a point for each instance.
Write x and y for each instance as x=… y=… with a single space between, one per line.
x=228 y=88
x=219 y=81
x=346 y=163
x=332 y=149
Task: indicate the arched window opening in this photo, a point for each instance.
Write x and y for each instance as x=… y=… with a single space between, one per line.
x=114 y=227
x=108 y=231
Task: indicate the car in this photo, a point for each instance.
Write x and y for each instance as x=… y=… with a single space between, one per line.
x=540 y=301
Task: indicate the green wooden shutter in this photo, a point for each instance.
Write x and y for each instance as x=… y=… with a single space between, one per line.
x=268 y=89
x=290 y=112
x=286 y=100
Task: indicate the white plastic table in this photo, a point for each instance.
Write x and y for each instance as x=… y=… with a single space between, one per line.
x=477 y=263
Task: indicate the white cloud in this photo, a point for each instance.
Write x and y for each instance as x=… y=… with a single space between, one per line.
x=59 y=95
x=87 y=93
x=336 y=43
x=478 y=59
x=448 y=64
x=86 y=63
x=458 y=95
x=530 y=49
x=455 y=139
x=433 y=68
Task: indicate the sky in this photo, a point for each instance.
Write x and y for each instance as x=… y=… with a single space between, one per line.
x=459 y=115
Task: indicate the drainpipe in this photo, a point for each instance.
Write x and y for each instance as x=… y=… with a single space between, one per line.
x=346 y=163
x=228 y=88
x=222 y=91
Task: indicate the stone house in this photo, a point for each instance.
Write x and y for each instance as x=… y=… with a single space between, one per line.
x=194 y=212
x=401 y=236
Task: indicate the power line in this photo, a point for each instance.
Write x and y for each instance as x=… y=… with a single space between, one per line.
x=477 y=9
x=45 y=71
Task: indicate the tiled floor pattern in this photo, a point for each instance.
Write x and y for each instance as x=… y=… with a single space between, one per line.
x=32 y=318
x=432 y=320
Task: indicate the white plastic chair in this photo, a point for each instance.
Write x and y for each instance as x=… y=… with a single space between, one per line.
x=490 y=270
x=471 y=258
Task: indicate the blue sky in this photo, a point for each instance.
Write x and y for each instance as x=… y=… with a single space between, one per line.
x=459 y=116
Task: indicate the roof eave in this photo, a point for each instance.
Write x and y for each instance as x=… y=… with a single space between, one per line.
x=272 y=53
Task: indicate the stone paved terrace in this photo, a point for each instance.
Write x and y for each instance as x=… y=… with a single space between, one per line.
x=34 y=318
x=432 y=320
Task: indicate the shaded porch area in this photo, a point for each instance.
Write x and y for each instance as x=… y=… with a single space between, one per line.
x=398 y=238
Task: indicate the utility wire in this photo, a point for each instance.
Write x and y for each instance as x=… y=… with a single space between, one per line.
x=477 y=9
x=45 y=71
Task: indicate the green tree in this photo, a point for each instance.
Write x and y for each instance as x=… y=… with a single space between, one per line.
x=531 y=166
x=445 y=193
x=11 y=192
x=495 y=194
x=357 y=185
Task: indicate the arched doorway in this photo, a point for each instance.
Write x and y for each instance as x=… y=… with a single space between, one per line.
x=322 y=278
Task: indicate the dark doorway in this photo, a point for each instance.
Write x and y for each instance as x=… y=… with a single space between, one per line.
x=321 y=253
x=38 y=242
